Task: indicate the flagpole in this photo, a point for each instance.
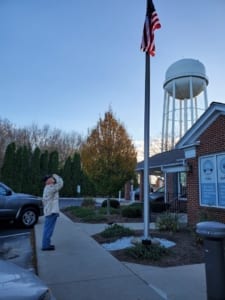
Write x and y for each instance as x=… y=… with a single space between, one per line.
x=146 y=147
x=148 y=45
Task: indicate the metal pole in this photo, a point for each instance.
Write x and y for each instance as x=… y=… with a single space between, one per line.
x=173 y=116
x=181 y=119
x=163 y=124
x=146 y=146
x=167 y=145
x=191 y=96
x=205 y=94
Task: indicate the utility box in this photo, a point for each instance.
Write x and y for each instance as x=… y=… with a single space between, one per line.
x=214 y=234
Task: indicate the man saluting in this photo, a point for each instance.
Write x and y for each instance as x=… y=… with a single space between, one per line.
x=53 y=183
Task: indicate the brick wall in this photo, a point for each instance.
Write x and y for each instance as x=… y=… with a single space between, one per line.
x=212 y=141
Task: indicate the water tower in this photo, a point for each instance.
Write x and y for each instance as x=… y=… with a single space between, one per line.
x=185 y=80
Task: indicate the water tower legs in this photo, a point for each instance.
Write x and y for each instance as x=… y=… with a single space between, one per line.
x=180 y=114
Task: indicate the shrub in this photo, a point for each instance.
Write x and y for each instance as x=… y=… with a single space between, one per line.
x=158 y=206
x=137 y=204
x=112 y=211
x=132 y=211
x=152 y=252
x=95 y=218
x=112 y=202
x=88 y=202
x=167 y=222
x=87 y=214
x=116 y=231
x=81 y=212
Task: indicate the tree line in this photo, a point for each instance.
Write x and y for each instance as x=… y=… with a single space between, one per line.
x=23 y=169
x=99 y=164
x=34 y=136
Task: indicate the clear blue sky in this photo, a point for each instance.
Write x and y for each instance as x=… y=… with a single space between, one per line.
x=65 y=62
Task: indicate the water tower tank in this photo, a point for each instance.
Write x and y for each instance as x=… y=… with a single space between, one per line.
x=184 y=81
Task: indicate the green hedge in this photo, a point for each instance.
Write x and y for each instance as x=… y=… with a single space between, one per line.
x=132 y=212
x=112 y=202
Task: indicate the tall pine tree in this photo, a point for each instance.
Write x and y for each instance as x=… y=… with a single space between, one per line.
x=36 y=172
x=44 y=164
x=18 y=169
x=76 y=173
x=9 y=165
x=53 y=163
x=68 y=187
x=26 y=170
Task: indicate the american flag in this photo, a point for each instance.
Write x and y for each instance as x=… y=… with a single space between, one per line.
x=151 y=24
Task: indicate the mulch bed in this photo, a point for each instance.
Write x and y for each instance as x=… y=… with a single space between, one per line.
x=186 y=251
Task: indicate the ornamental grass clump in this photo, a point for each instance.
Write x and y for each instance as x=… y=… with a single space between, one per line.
x=152 y=252
x=116 y=230
x=168 y=222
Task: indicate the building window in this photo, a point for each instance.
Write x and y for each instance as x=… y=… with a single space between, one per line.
x=212 y=180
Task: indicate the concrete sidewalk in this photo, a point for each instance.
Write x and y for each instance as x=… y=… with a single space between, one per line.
x=80 y=269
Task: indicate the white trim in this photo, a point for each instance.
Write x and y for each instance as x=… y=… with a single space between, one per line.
x=206 y=119
x=175 y=169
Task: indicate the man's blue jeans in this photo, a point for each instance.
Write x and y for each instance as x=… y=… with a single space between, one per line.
x=48 y=229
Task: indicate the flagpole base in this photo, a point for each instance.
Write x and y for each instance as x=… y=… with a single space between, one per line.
x=146 y=242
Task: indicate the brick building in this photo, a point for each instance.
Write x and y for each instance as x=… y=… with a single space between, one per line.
x=204 y=148
x=197 y=166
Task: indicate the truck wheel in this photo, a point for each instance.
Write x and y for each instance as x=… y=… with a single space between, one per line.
x=28 y=217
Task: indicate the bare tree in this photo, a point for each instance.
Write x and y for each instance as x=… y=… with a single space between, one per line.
x=7 y=134
x=44 y=138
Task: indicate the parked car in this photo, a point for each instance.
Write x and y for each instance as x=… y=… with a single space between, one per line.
x=22 y=208
x=18 y=284
x=158 y=194
x=137 y=193
x=157 y=200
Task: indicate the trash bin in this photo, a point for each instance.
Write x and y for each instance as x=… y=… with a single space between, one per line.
x=214 y=234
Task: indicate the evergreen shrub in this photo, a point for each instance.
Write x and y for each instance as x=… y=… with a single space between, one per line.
x=112 y=202
x=116 y=230
x=151 y=252
x=132 y=211
x=88 y=202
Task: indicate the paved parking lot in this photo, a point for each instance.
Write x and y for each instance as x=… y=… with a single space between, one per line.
x=16 y=243
x=16 y=246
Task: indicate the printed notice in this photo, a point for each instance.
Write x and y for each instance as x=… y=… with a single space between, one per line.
x=208 y=181
x=221 y=179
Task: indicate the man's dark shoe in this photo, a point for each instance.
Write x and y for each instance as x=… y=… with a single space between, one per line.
x=49 y=248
